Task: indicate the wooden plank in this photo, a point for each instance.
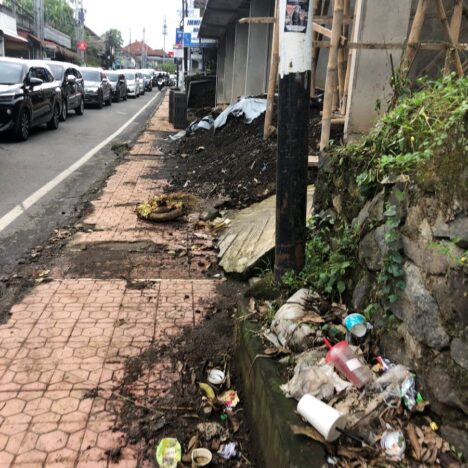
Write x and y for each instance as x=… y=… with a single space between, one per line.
x=327 y=33
x=387 y=46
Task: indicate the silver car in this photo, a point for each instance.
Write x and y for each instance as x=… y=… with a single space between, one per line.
x=133 y=83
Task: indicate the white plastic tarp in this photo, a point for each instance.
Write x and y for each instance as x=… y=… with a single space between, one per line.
x=250 y=108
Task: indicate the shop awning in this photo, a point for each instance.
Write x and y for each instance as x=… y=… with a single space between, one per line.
x=219 y=14
x=28 y=35
x=12 y=36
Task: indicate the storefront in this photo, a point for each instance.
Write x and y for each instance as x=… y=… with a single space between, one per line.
x=11 y=44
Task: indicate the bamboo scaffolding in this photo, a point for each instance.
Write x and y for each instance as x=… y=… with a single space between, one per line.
x=455 y=29
x=443 y=18
x=268 y=129
x=331 y=80
x=315 y=51
x=415 y=34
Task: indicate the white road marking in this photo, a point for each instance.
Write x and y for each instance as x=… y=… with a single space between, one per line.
x=22 y=207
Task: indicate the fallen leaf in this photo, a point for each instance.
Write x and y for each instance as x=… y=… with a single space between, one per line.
x=413 y=438
x=308 y=432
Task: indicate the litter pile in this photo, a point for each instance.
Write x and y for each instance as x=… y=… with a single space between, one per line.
x=162 y=208
x=364 y=409
x=231 y=160
x=200 y=420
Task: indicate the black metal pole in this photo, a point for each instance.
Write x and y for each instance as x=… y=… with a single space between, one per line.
x=291 y=174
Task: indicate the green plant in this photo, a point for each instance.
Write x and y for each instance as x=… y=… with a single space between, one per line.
x=447 y=248
x=424 y=126
x=330 y=257
x=391 y=279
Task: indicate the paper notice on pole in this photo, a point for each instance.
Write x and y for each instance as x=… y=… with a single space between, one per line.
x=295 y=29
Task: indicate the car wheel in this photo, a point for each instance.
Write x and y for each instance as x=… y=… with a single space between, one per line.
x=54 y=122
x=23 y=126
x=80 y=109
x=100 y=103
x=64 y=114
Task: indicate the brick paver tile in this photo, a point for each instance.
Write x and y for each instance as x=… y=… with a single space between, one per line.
x=69 y=336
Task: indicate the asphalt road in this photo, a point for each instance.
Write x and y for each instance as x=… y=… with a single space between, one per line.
x=40 y=186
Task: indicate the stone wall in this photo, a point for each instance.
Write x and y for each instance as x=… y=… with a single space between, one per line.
x=428 y=327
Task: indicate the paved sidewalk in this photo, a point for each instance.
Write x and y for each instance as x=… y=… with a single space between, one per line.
x=73 y=334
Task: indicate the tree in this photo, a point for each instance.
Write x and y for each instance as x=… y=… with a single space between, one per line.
x=60 y=15
x=114 y=42
x=168 y=67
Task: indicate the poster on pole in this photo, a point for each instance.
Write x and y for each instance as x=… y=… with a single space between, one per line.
x=297 y=16
x=295 y=36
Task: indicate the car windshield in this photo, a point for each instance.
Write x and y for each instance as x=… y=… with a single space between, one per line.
x=130 y=76
x=57 y=71
x=11 y=73
x=113 y=77
x=91 y=75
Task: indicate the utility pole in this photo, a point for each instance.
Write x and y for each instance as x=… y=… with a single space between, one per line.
x=143 y=50
x=295 y=41
x=39 y=23
x=164 y=35
x=79 y=29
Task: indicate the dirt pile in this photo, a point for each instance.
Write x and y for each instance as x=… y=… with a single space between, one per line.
x=180 y=411
x=233 y=163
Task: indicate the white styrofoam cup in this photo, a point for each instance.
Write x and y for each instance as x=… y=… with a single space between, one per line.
x=322 y=417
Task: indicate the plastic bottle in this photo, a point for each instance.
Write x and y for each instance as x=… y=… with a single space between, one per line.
x=345 y=362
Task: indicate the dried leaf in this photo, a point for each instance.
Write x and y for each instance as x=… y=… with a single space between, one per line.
x=179 y=367
x=312 y=319
x=193 y=443
x=308 y=432
x=413 y=438
x=271 y=351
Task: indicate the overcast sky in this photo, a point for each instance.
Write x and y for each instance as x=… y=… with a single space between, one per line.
x=135 y=15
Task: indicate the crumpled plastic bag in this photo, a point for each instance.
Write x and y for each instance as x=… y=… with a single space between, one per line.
x=204 y=124
x=249 y=107
x=320 y=381
x=291 y=333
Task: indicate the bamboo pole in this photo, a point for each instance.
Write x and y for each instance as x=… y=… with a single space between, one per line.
x=443 y=18
x=415 y=34
x=455 y=27
x=344 y=101
x=395 y=46
x=315 y=36
x=331 y=80
x=274 y=62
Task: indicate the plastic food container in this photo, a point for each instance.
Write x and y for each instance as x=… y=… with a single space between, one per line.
x=346 y=362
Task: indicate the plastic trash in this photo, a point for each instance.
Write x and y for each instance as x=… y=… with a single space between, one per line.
x=168 y=453
x=327 y=420
x=228 y=451
x=408 y=392
x=394 y=444
x=216 y=376
x=345 y=361
x=356 y=324
x=230 y=399
x=250 y=108
x=201 y=457
x=204 y=124
x=287 y=325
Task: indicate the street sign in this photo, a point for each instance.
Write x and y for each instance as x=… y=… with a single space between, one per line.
x=82 y=45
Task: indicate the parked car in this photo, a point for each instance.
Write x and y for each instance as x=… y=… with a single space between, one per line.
x=119 y=85
x=29 y=97
x=141 y=80
x=98 y=89
x=148 y=79
x=72 y=86
x=133 y=83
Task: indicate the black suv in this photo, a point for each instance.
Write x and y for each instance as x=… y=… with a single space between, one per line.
x=119 y=85
x=72 y=86
x=29 y=96
x=98 y=89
